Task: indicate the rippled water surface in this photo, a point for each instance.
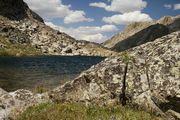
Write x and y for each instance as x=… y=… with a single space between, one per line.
x=49 y=71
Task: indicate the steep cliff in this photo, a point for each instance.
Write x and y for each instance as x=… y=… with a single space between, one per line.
x=17 y=10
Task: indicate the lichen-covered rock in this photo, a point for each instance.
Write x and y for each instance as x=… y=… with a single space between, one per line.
x=13 y=103
x=2 y=92
x=152 y=81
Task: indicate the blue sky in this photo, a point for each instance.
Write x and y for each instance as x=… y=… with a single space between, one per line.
x=98 y=20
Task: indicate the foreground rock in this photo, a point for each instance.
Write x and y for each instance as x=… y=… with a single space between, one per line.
x=13 y=103
x=152 y=82
x=22 y=26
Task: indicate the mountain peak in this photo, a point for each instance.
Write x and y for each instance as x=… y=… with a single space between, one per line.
x=17 y=10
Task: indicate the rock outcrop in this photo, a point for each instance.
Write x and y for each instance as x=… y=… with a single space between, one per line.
x=13 y=103
x=142 y=32
x=21 y=25
x=152 y=79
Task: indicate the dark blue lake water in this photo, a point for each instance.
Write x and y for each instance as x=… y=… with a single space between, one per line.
x=49 y=71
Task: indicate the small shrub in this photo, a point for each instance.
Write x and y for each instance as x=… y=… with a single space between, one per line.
x=125 y=57
x=40 y=89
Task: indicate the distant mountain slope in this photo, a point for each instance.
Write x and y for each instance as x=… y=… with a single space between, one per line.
x=21 y=25
x=129 y=31
x=139 y=33
x=146 y=35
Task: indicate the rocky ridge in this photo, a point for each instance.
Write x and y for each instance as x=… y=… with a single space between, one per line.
x=130 y=30
x=141 y=32
x=21 y=25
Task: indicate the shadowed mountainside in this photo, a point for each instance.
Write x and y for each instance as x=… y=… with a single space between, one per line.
x=139 y=33
x=146 y=35
x=17 y=10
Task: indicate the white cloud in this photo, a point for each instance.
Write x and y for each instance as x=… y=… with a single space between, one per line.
x=89 y=33
x=130 y=11
x=50 y=9
x=98 y=38
x=177 y=6
x=122 y=6
x=126 y=18
x=76 y=16
x=168 y=6
x=98 y=4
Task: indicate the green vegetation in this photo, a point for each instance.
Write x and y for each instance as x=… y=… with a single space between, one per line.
x=126 y=58
x=17 y=49
x=40 y=89
x=52 y=111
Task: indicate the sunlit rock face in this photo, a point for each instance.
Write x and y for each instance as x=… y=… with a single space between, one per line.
x=152 y=82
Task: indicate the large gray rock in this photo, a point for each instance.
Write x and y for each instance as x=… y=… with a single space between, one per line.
x=152 y=82
x=14 y=103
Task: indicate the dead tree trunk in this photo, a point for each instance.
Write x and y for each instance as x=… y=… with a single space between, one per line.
x=123 y=95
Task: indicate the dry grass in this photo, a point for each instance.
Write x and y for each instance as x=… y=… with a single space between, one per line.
x=17 y=49
x=51 y=111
